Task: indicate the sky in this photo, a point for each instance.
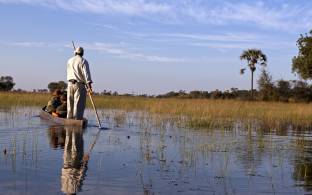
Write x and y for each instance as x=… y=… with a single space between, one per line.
x=149 y=46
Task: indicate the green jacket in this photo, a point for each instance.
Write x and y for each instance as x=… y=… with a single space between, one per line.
x=53 y=104
x=62 y=110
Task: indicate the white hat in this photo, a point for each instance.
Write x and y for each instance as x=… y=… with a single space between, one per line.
x=79 y=50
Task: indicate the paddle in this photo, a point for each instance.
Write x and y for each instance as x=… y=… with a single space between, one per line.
x=93 y=105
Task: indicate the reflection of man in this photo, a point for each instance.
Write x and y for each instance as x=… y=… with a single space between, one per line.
x=74 y=168
x=57 y=136
x=78 y=76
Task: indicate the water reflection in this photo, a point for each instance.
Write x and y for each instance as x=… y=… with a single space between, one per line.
x=74 y=168
x=303 y=174
x=303 y=164
x=74 y=164
x=57 y=136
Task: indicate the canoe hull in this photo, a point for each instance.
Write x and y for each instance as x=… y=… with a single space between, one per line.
x=63 y=121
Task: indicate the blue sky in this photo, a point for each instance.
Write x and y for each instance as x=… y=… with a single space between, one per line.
x=149 y=46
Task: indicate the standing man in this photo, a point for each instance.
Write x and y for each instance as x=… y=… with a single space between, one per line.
x=79 y=78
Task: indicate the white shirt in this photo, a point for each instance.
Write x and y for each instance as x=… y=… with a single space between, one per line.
x=78 y=69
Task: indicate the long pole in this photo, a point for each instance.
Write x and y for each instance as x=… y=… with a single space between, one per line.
x=95 y=111
x=74 y=45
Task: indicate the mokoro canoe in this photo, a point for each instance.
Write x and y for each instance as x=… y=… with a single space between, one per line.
x=62 y=121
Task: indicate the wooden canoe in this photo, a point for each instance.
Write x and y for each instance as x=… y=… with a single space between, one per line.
x=62 y=121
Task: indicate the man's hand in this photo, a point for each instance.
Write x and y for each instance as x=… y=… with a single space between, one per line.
x=85 y=158
x=89 y=88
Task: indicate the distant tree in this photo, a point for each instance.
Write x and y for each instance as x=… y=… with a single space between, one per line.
x=195 y=94
x=105 y=92
x=6 y=83
x=171 y=94
x=227 y=94
x=206 y=94
x=253 y=57
x=19 y=90
x=301 y=91
x=266 y=86
x=243 y=94
x=283 y=90
x=302 y=64
x=143 y=95
x=61 y=85
x=182 y=93
x=42 y=90
x=217 y=94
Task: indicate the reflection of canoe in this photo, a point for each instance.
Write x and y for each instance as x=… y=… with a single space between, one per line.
x=63 y=121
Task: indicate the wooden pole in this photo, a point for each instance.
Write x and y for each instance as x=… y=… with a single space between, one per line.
x=95 y=111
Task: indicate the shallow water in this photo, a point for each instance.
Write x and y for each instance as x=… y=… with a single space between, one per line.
x=138 y=155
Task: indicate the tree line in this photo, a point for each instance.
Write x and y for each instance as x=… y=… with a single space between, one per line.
x=268 y=90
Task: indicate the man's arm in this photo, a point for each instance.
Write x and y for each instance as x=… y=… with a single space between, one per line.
x=87 y=75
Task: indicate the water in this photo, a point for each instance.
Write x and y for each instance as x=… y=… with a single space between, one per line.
x=142 y=155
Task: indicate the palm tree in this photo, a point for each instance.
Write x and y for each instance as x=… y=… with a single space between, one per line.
x=253 y=57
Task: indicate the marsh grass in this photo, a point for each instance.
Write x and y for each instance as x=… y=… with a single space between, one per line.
x=196 y=113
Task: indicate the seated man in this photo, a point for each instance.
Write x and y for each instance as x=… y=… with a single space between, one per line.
x=54 y=102
x=61 y=110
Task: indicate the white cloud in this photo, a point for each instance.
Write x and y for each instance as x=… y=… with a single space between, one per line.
x=197 y=37
x=124 y=53
x=130 y=7
x=106 y=26
x=243 y=37
x=101 y=47
x=217 y=41
x=264 y=14
x=284 y=18
x=29 y=44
